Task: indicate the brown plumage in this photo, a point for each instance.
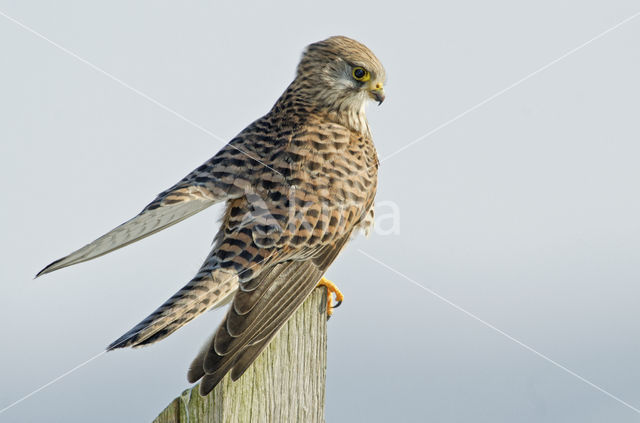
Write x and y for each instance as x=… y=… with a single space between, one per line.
x=297 y=182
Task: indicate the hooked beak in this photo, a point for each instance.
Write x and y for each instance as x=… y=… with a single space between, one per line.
x=377 y=92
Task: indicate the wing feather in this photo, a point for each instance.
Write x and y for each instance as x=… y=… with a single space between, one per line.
x=210 y=288
x=256 y=316
x=148 y=222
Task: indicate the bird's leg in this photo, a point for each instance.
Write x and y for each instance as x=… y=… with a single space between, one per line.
x=331 y=289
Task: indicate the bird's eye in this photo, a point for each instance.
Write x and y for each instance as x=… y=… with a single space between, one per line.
x=360 y=74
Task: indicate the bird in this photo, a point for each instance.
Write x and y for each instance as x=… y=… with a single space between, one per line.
x=297 y=184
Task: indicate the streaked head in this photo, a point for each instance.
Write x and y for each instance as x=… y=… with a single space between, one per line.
x=341 y=73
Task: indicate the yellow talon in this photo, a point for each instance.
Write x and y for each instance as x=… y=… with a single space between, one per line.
x=331 y=289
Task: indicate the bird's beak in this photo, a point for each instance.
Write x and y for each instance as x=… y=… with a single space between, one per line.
x=376 y=92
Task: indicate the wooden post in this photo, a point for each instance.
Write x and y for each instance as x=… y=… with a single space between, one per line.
x=286 y=383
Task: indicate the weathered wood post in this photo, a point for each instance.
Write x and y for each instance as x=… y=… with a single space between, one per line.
x=286 y=383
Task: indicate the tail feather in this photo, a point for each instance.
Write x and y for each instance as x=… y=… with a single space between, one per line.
x=209 y=289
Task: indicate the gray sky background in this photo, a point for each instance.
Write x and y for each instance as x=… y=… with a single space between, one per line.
x=523 y=212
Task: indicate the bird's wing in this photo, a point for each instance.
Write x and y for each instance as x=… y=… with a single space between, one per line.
x=211 y=287
x=222 y=177
x=258 y=311
x=235 y=257
x=148 y=222
x=276 y=241
x=331 y=186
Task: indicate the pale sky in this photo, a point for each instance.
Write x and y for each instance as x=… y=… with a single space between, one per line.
x=522 y=212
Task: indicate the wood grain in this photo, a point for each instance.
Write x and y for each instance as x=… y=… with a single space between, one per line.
x=285 y=384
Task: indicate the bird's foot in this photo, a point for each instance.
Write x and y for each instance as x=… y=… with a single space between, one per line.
x=331 y=289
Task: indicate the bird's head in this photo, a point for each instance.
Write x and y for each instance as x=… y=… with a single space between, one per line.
x=341 y=74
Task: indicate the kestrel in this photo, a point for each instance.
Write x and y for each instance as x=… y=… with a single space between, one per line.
x=297 y=183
